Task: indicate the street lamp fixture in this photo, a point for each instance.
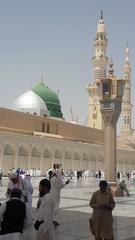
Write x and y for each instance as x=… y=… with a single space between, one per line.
x=111 y=93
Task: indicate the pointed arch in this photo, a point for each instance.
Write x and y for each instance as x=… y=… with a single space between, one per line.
x=93 y=157
x=46 y=153
x=35 y=152
x=8 y=150
x=57 y=154
x=22 y=151
x=67 y=155
x=85 y=157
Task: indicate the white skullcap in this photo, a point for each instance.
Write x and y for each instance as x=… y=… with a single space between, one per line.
x=12 y=175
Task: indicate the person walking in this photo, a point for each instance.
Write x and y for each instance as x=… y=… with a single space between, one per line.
x=27 y=234
x=99 y=174
x=12 y=217
x=1 y=175
x=56 y=185
x=118 y=176
x=44 y=221
x=101 y=221
x=29 y=188
x=123 y=186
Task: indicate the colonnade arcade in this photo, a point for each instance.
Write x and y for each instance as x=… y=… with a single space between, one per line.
x=29 y=152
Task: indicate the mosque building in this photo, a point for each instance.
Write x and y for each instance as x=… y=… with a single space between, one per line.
x=34 y=133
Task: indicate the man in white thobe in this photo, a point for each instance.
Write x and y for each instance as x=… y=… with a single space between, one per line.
x=27 y=234
x=44 y=220
x=16 y=182
x=56 y=185
x=29 y=189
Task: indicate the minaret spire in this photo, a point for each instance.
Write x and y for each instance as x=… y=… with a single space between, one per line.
x=126 y=105
x=100 y=59
x=101 y=17
x=99 y=65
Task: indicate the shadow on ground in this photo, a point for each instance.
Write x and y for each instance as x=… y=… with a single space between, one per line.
x=74 y=225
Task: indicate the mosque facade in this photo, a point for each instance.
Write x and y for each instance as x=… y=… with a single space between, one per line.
x=35 y=135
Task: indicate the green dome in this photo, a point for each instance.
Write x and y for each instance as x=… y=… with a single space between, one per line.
x=50 y=98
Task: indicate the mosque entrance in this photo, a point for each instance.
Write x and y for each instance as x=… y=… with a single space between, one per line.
x=57 y=165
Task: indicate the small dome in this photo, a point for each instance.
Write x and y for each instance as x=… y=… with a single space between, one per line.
x=50 y=98
x=101 y=27
x=30 y=102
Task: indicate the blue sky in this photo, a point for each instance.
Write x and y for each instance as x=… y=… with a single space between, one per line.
x=55 y=38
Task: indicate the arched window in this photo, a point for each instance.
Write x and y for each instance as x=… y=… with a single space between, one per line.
x=43 y=127
x=48 y=128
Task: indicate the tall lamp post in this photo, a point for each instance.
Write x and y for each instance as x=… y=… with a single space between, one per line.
x=111 y=93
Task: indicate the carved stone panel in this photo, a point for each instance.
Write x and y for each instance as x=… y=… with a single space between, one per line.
x=108 y=117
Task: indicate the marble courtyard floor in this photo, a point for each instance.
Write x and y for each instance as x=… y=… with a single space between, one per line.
x=75 y=210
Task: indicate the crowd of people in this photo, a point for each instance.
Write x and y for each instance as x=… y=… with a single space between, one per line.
x=19 y=200
x=84 y=173
x=22 y=172
x=16 y=213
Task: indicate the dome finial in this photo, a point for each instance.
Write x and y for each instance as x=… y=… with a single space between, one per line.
x=41 y=80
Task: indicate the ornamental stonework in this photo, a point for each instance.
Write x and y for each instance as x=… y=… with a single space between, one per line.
x=108 y=117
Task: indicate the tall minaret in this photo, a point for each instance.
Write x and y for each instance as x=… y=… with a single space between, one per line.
x=99 y=64
x=127 y=106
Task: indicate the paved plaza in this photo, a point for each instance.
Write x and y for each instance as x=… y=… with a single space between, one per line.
x=75 y=210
